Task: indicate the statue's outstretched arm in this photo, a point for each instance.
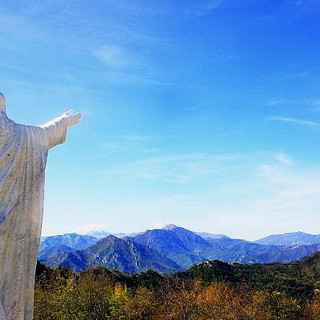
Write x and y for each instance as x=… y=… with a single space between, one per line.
x=71 y=118
x=55 y=130
x=68 y=119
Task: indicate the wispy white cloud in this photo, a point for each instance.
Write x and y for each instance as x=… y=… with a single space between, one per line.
x=315 y=102
x=136 y=8
x=269 y=189
x=296 y=121
x=205 y=7
x=191 y=168
x=126 y=68
x=176 y=169
x=128 y=144
x=114 y=56
x=289 y=76
x=282 y=199
x=284 y=159
x=126 y=78
x=261 y=191
x=21 y=28
x=90 y=227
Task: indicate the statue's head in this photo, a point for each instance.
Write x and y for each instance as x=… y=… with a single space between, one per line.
x=2 y=103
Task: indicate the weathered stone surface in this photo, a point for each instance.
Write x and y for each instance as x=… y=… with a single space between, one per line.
x=23 y=156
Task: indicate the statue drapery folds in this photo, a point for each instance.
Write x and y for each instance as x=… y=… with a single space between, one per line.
x=23 y=157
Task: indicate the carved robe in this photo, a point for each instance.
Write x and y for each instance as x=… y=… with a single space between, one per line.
x=23 y=156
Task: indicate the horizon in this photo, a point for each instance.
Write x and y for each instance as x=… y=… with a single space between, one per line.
x=204 y=114
x=167 y=226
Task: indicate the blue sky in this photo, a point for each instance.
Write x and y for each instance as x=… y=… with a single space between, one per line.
x=205 y=114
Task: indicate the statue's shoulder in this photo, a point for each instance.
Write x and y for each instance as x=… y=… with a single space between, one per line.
x=7 y=125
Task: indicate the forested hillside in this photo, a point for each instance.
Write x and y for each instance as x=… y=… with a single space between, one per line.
x=208 y=290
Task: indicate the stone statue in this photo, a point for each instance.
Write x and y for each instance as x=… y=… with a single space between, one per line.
x=23 y=156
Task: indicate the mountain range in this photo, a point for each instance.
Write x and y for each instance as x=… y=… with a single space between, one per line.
x=54 y=245
x=290 y=239
x=170 y=249
x=114 y=253
x=99 y=234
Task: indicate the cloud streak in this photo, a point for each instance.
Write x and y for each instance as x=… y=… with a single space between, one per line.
x=271 y=190
x=126 y=68
x=315 y=102
x=206 y=7
x=302 y=122
x=189 y=168
x=114 y=56
x=90 y=227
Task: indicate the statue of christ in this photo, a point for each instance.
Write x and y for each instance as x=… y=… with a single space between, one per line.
x=23 y=156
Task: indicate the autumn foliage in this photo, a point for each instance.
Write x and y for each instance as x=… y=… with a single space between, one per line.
x=99 y=294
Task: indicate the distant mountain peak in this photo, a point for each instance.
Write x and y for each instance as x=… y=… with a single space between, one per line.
x=170 y=227
x=99 y=234
x=290 y=239
x=299 y=233
x=108 y=240
x=207 y=235
x=111 y=238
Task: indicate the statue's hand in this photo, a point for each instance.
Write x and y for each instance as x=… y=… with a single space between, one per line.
x=70 y=118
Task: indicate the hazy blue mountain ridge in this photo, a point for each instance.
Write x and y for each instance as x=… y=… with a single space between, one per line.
x=46 y=251
x=166 y=250
x=115 y=253
x=54 y=245
x=178 y=244
x=186 y=248
x=72 y=240
x=99 y=234
x=290 y=239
